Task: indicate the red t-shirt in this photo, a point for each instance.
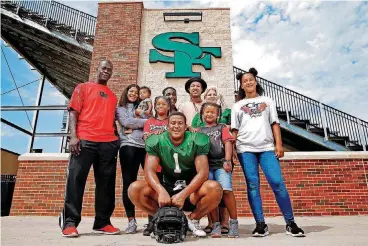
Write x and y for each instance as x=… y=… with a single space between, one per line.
x=96 y=106
x=152 y=125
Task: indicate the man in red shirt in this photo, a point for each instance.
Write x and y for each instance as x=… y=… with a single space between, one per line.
x=93 y=140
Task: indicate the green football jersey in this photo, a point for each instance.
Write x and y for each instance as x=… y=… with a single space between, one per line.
x=225 y=119
x=177 y=162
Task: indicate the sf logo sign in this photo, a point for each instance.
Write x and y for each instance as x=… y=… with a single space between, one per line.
x=186 y=53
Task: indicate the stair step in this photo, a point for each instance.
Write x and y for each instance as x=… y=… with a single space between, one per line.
x=63 y=27
x=357 y=148
x=340 y=140
x=51 y=23
x=354 y=142
x=9 y=6
x=89 y=38
x=22 y=11
x=301 y=123
x=318 y=131
x=82 y=34
x=34 y=15
x=346 y=138
x=282 y=115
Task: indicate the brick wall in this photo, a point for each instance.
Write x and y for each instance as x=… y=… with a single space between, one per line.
x=316 y=187
x=117 y=39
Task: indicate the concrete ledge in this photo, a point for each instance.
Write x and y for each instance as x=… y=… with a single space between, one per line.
x=325 y=155
x=44 y=157
x=186 y=9
x=120 y=1
x=320 y=155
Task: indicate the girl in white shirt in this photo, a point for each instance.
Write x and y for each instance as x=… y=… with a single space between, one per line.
x=255 y=125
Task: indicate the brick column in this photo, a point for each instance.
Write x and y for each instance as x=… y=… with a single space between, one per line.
x=117 y=39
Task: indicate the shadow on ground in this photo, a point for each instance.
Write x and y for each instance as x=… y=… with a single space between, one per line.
x=246 y=230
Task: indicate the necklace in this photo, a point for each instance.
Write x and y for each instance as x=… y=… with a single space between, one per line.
x=194 y=105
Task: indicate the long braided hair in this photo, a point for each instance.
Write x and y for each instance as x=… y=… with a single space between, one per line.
x=219 y=110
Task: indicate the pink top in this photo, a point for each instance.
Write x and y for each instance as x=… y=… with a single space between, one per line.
x=190 y=109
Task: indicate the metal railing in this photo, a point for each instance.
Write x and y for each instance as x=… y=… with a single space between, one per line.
x=58 y=14
x=299 y=107
x=33 y=134
x=342 y=124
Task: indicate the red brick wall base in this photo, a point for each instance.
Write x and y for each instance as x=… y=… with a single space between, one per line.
x=316 y=187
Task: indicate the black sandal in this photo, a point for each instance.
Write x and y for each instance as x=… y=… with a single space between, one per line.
x=224 y=230
x=208 y=229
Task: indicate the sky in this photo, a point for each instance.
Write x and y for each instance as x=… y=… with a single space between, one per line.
x=316 y=48
x=48 y=121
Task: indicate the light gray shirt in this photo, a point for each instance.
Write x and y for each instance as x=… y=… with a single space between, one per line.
x=253 y=117
x=125 y=116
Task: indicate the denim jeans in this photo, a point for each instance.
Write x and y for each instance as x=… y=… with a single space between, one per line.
x=271 y=168
x=223 y=177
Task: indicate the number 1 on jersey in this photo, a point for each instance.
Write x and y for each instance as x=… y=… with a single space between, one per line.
x=177 y=167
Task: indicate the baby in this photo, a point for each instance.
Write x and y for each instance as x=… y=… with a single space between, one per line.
x=144 y=110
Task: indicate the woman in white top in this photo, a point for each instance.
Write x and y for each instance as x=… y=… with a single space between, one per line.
x=255 y=124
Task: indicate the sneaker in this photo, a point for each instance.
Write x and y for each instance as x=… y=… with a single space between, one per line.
x=293 y=230
x=70 y=231
x=132 y=227
x=196 y=228
x=233 y=228
x=108 y=230
x=261 y=230
x=148 y=230
x=216 y=231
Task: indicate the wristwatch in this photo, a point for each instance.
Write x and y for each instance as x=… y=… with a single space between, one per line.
x=226 y=161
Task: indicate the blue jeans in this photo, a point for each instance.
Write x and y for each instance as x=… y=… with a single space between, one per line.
x=271 y=168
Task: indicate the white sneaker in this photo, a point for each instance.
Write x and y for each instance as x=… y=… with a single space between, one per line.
x=132 y=227
x=196 y=228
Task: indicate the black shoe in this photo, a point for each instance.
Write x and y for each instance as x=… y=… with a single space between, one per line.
x=148 y=230
x=261 y=230
x=293 y=230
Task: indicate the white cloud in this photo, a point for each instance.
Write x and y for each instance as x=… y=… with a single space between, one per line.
x=53 y=97
x=7 y=131
x=315 y=48
x=248 y=53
